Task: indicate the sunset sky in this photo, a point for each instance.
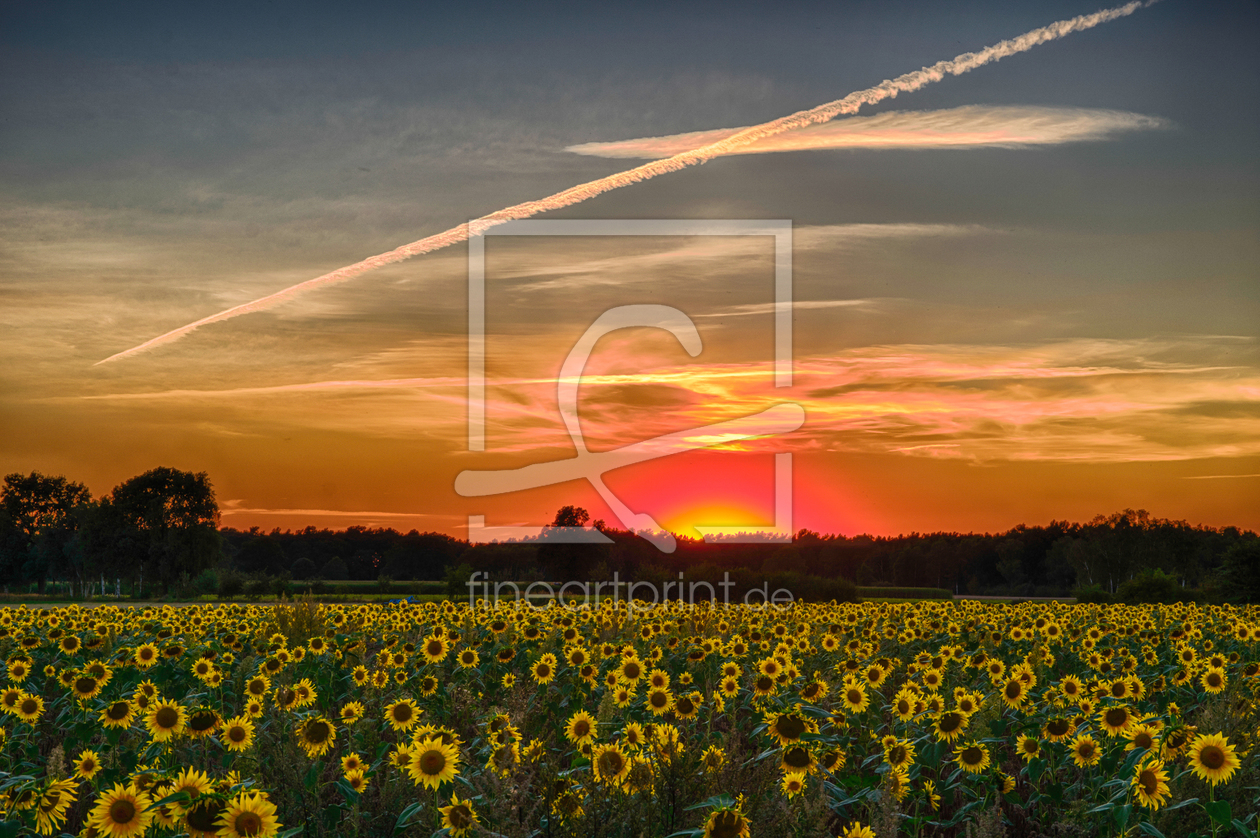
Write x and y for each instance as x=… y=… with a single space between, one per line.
x=1024 y=293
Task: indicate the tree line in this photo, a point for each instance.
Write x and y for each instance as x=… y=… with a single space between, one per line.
x=158 y=531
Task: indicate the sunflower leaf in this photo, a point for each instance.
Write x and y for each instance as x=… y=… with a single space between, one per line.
x=1181 y=805
x=404 y=818
x=1218 y=810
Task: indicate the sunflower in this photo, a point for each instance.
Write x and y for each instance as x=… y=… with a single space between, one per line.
x=797 y=758
x=726 y=822
x=1142 y=736
x=659 y=701
x=609 y=764
x=316 y=735
x=1058 y=729
x=793 y=784
x=1014 y=693
x=713 y=758
x=1029 y=747
x=903 y=705
x=165 y=719
x=1085 y=751
x=544 y=669
x=1115 y=720
x=787 y=728
x=202 y=722
x=202 y=820
x=1212 y=758
x=929 y=792
x=87 y=764
x=352 y=712
x=287 y=698
x=688 y=706
x=85 y=687
x=468 y=658
x=50 y=811
x=357 y=780
x=815 y=690
x=118 y=714
x=764 y=685
x=949 y=726
x=433 y=763
x=900 y=753
x=237 y=733
x=580 y=729
x=1150 y=783
x=29 y=708
x=400 y=757
x=1213 y=680
x=9 y=698
x=459 y=817
x=402 y=714
x=854 y=698
x=121 y=811
x=667 y=742
x=972 y=757
x=258 y=686
x=191 y=782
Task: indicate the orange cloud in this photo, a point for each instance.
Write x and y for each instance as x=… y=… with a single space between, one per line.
x=972 y=126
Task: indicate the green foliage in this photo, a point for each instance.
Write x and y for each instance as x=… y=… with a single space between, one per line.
x=1153 y=587
x=207 y=582
x=1093 y=594
x=457 y=580
x=334 y=569
x=1240 y=571
x=231 y=584
x=303 y=569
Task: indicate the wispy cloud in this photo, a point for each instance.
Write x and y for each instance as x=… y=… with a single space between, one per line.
x=971 y=126
x=691 y=257
x=325 y=513
x=769 y=308
x=1084 y=400
x=826 y=112
x=1216 y=476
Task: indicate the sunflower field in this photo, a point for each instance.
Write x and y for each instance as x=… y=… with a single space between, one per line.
x=927 y=719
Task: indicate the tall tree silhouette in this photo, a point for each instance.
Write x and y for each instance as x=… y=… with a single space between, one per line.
x=38 y=520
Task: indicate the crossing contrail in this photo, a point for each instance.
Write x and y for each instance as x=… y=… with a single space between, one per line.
x=887 y=89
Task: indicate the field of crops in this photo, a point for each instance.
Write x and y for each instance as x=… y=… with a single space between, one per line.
x=930 y=718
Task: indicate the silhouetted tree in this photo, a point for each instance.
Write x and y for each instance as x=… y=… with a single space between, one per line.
x=38 y=521
x=163 y=523
x=335 y=570
x=303 y=569
x=262 y=554
x=566 y=561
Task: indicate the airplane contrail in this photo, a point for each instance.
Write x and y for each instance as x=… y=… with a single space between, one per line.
x=887 y=89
